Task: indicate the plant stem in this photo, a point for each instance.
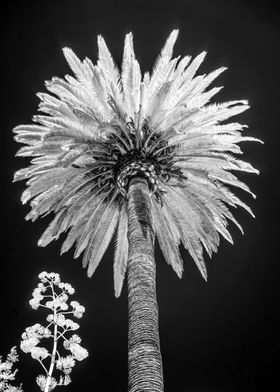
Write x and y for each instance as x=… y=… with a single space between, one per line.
x=54 y=349
x=52 y=360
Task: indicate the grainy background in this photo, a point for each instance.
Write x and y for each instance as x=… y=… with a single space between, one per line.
x=219 y=336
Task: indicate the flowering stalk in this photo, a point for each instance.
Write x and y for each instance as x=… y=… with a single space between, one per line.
x=60 y=325
x=52 y=360
x=6 y=374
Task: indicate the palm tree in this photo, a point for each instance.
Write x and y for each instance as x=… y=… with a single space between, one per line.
x=145 y=157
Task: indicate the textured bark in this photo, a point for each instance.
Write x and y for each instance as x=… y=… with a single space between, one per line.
x=144 y=357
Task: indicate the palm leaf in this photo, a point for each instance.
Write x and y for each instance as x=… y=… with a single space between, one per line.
x=100 y=239
x=167 y=241
x=107 y=63
x=189 y=228
x=51 y=232
x=121 y=251
x=74 y=63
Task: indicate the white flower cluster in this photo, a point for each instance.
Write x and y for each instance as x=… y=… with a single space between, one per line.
x=41 y=381
x=32 y=336
x=73 y=344
x=46 y=277
x=45 y=295
x=6 y=374
x=78 y=309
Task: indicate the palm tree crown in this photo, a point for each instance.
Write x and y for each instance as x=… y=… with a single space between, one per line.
x=104 y=127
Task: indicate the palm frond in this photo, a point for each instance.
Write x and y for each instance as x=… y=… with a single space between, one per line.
x=167 y=240
x=98 y=210
x=193 y=67
x=163 y=58
x=107 y=63
x=54 y=177
x=51 y=232
x=74 y=233
x=100 y=238
x=75 y=64
x=128 y=58
x=189 y=228
x=121 y=251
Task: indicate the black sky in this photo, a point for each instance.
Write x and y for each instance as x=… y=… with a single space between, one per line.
x=219 y=336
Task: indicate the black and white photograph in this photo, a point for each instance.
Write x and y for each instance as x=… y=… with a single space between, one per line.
x=140 y=223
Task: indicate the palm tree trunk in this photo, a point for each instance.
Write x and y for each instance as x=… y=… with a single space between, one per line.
x=144 y=357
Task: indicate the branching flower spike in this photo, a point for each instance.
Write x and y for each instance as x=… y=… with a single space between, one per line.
x=57 y=329
x=103 y=127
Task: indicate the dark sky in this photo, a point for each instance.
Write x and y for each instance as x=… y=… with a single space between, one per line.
x=219 y=336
